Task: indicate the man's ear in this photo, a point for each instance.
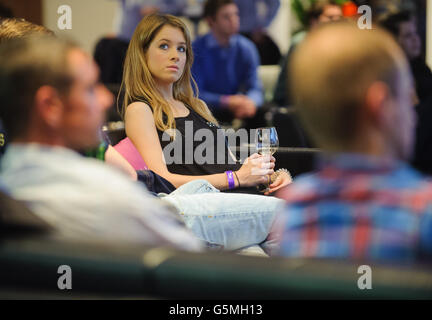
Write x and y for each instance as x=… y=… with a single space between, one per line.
x=377 y=95
x=209 y=21
x=49 y=106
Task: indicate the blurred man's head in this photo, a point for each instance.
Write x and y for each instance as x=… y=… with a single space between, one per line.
x=404 y=28
x=323 y=11
x=50 y=93
x=352 y=88
x=222 y=17
x=18 y=28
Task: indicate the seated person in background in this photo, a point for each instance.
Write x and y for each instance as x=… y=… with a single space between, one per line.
x=161 y=111
x=402 y=25
x=53 y=107
x=131 y=12
x=321 y=11
x=255 y=17
x=364 y=202
x=226 y=65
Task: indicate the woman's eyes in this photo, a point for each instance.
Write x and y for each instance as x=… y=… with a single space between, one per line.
x=166 y=46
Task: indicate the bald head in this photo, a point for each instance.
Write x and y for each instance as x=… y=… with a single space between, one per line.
x=333 y=72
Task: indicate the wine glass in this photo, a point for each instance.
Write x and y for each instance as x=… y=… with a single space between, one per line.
x=266 y=143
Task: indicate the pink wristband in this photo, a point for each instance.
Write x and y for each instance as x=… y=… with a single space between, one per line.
x=224 y=101
x=231 y=182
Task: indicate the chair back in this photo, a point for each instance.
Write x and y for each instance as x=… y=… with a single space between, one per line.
x=127 y=149
x=17 y=219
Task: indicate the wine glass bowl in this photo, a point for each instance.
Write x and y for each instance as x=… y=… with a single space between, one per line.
x=266 y=143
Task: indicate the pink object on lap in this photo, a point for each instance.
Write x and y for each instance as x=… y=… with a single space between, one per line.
x=127 y=149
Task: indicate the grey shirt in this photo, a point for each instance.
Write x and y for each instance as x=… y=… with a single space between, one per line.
x=84 y=198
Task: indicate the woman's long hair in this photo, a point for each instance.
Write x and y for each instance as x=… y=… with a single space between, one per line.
x=138 y=82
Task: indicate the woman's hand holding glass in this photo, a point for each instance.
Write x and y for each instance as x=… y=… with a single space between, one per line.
x=256 y=170
x=266 y=143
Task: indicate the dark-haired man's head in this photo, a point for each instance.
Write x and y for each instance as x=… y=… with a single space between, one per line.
x=14 y=28
x=17 y=28
x=50 y=93
x=323 y=11
x=404 y=28
x=222 y=17
x=353 y=90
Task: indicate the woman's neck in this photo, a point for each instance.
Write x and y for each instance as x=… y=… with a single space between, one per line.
x=166 y=91
x=177 y=107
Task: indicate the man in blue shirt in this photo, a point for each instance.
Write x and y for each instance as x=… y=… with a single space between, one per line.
x=132 y=11
x=255 y=17
x=353 y=91
x=225 y=66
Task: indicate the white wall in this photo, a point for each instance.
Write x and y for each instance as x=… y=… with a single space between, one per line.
x=280 y=29
x=91 y=19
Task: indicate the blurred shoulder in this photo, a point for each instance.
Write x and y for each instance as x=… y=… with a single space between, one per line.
x=200 y=41
x=245 y=42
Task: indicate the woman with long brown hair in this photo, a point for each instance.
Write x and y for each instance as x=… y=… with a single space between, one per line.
x=163 y=114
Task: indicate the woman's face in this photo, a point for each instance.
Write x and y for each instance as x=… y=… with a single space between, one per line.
x=166 y=55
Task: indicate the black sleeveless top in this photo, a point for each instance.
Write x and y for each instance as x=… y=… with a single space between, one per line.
x=199 y=147
x=198 y=152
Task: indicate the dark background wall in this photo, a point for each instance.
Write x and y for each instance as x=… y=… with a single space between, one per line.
x=30 y=10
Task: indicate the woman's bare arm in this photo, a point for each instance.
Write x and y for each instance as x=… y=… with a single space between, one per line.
x=141 y=130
